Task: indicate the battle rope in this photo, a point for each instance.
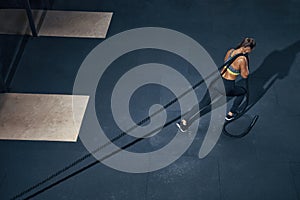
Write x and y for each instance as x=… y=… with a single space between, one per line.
x=59 y=172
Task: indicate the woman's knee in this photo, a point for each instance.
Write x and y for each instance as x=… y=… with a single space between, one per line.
x=240 y=91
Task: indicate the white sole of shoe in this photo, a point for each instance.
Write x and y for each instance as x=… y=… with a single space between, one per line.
x=178 y=125
x=228 y=119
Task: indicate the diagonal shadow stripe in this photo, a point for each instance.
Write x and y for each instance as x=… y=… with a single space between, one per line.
x=35 y=186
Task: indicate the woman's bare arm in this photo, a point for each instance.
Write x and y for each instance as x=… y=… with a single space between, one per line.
x=227 y=55
x=225 y=59
x=243 y=64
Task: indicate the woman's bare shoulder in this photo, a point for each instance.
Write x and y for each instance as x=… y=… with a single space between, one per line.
x=242 y=60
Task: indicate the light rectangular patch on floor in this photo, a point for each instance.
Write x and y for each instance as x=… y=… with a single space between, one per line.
x=56 y=23
x=75 y=24
x=43 y=117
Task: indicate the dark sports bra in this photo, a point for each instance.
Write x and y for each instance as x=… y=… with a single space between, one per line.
x=230 y=69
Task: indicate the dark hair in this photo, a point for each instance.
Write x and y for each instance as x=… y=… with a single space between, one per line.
x=247 y=42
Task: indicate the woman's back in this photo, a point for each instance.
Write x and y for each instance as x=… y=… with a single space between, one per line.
x=238 y=67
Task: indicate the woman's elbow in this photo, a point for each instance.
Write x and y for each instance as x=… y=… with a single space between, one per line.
x=245 y=75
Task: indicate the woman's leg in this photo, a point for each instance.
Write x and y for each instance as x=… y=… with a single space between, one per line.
x=194 y=113
x=239 y=93
x=205 y=101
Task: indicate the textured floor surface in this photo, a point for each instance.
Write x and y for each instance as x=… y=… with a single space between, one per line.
x=263 y=165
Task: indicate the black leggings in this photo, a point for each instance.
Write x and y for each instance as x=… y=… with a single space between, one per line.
x=231 y=90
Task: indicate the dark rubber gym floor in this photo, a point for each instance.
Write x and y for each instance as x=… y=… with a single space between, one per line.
x=265 y=164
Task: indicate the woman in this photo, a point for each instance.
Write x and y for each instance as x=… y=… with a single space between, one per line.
x=229 y=74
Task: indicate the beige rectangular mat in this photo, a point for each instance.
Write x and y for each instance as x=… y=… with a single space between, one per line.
x=41 y=116
x=56 y=23
x=76 y=24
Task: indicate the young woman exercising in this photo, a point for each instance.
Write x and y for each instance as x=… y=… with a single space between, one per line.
x=229 y=74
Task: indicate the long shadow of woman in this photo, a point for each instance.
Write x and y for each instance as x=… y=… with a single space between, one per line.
x=275 y=66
